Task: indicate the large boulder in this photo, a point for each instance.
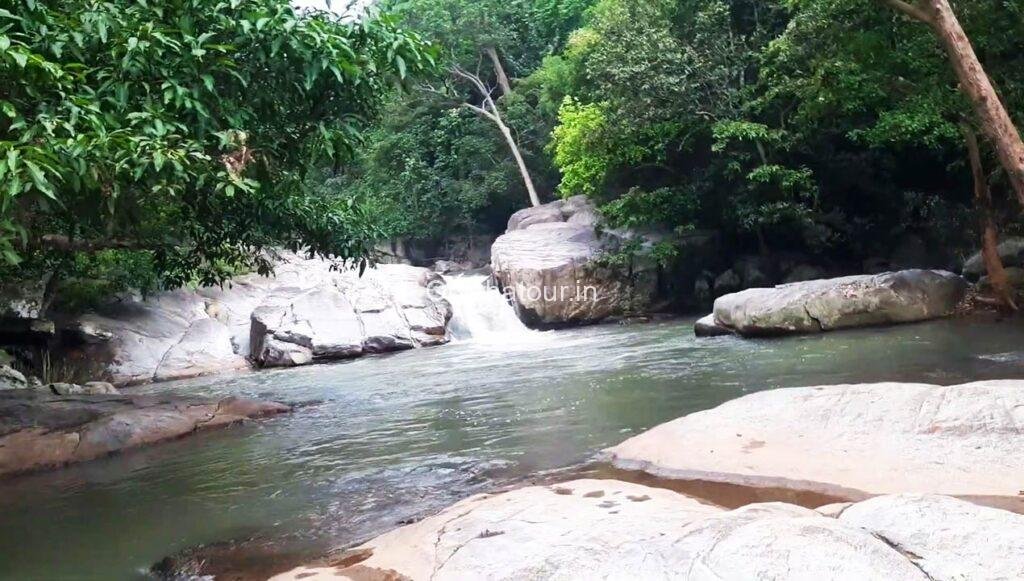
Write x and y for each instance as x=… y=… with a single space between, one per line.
x=606 y=529
x=849 y=441
x=829 y=304
x=40 y=429
x=390 y=308
x=309 y=310
x=549 y=264
x=1011 y=252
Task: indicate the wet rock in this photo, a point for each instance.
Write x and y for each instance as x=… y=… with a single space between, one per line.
x=549 y=264
x=708 y=327
x=45 y=430
x=606 y=529
x=11 y=378
x=1011 y=252
x=848 y=440
x=830 y=304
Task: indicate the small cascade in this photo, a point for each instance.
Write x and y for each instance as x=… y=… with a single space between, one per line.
x=481 y=313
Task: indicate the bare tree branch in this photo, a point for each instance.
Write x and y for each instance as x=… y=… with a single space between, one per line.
x=911 y=10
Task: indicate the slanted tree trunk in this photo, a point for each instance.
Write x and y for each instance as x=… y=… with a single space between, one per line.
x=987 y=222
x=994 y=120
x=499 y=71
x=489 y=110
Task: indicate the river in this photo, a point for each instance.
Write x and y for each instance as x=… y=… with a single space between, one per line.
x=387 y=438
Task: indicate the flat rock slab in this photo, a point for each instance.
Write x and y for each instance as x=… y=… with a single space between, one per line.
x=40 y=430
x=815 y=306
x=606 y=529
x=849 y=441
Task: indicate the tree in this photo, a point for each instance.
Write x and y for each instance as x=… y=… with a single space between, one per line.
x=489 y=110
x=182 y=132
x=987 y=224
x=989 y=108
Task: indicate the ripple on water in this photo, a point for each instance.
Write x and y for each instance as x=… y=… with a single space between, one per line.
x=395 y=436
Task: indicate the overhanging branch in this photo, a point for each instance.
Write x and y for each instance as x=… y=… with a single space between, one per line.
x=911 y=10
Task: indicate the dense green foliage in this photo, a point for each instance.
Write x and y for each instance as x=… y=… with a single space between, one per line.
x=174 y=137
x=819 y=126
x=160 y=143
x=433 y=168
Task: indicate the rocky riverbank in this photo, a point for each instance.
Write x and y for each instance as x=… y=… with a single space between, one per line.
x=307 y=311
x=606 y=529
x=40 y=429
x=917 y=464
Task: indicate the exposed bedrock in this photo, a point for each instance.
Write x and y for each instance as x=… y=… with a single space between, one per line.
x=606 y=529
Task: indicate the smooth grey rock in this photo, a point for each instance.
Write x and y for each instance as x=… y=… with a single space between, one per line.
x=167 y=336
x=308 y=304
x=607 y=529
x=548 y=263
x=853 y=301
x=947 y=538
x=11 y=378
x=1011 y=252
x=849 y=440
x=544 y=214
x=708 y=327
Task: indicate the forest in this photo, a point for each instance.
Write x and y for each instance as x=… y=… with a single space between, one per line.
x=143 y=153
x=443 y=290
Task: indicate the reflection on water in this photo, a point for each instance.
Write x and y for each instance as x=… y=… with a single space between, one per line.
x=394 y=436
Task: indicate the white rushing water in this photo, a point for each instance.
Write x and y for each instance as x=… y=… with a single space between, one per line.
x=482 y=315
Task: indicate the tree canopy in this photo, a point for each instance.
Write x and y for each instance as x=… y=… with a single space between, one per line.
x=182 y=132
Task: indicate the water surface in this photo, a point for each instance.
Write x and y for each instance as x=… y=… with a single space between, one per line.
x=394 y=436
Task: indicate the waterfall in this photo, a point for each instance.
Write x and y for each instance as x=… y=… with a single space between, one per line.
x=481 y=313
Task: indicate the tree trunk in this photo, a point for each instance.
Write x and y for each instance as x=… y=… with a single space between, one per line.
x=989 y=230
x=499 y=71
x=995 y=122
x=523 y=170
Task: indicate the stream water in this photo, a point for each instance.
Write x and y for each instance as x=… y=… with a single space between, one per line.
x=388 y=438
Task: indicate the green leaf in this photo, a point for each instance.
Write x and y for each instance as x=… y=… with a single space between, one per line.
x=39 y=179
x=208 y=81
